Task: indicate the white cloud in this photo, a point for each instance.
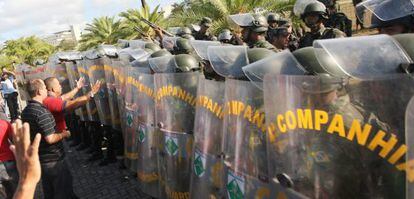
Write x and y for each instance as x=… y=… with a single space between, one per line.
x=38 y=17
x=23 y=18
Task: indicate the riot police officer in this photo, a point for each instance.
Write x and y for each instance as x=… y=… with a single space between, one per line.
x=254 y=28
x=338 y=19
x=314 y=15
x=272 y=20
x=225 y=36
x=389 y=17
x=185 y=33
x=203 y=33
x=279 y=37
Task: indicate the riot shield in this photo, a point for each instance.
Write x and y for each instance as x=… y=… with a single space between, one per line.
x=83 y=67
x=146 y=132
x=207 y=178
x=201 y=47
x=96 y=72
x=228 y=61
x=369 y=56
x=331 y=138
x=175 y=95
x=280 y=63
x=242 y=20
x=22 y=81
x=130 y=139
x=169 y=43
x=373 y=12
x=119 y=84
x=164 y=64
x=73 y=76
x=409 y=137
x=300 y=5
x=109 y=66
x=58 y=70
x=29 y=73
x=244 y=140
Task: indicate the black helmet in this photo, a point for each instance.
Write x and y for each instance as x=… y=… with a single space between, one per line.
x=225 y=35
x=186 y=63
x=152 y=46
x=406 y=21
x=307 y=58
x=325 y=84
x=160 y=53
x=259 y=24
x=206 y=21
x=315 y=8
x=406 y=41
x=256 y=54
x=183 y=46
x=184 y=31
x=272 y=17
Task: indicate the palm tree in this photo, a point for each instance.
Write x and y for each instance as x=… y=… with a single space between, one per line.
x=27 y=50
x=103 y=30
x=191 y=11
x=132 y=21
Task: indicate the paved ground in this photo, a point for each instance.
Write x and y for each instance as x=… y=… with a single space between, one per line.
x=93 y=181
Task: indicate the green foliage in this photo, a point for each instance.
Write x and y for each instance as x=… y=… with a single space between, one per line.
x=132 y=21
x=25 y=50
x=103 y=30
x=67 y=45
x=192 y=11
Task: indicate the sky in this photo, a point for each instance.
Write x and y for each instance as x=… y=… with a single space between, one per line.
x=41 y=17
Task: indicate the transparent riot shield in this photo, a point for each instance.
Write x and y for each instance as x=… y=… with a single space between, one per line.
x=73 y=76
x=300 y=5
x=29 y=73
x=244 y=140
x=96 y=72
x=280 y=63
x=201 y=47
x=176 y=97
x=91 y=109
x=164 y=64
x=130 y=138
x=169 y=43
x=207 y=178
x=146 y=136
x=22 y=81
x=228 y=61
x=409 y=137
x=58 y=70
x=367 y=57
x=373 y=12
x=119 y=84
x=242 y=20
x=137 y=44
x=331 y=138
x=109 y=67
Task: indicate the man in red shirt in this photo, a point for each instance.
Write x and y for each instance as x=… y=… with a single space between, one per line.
x=57 y=103
x=9 y=177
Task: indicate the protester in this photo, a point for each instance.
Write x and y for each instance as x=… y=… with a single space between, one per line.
x=8 y=172
x=10 y=94
x=27 y=159
x=57 y=103
x=56 y=176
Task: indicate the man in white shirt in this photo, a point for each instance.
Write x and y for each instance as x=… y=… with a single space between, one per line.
x=10 y=94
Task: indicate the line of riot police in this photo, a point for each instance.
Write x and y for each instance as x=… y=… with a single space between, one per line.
x=208 y=119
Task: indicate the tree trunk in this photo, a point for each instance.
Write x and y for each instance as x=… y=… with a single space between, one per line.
x=143 y=3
